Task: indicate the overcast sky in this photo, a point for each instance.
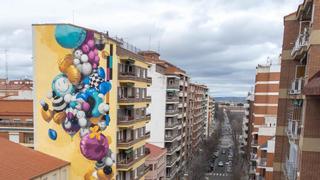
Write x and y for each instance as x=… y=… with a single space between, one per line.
x=218 y=42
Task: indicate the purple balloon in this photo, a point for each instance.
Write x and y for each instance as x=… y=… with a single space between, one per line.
x=94 y=66
x=90 y=44
x=71 y=126
x=91 y=55
x=96 y=51
x=85 y=48
x=85 y=106
x=90 y=35
x=96 y=59
x=94 y=149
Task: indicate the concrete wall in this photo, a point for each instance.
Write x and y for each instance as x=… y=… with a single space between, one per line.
x=157 y=91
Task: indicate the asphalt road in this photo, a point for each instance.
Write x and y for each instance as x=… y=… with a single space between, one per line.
x=220 y=173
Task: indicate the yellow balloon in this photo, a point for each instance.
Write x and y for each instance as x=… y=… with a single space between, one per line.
x=65 y=63
x=59 y=117
x=88 y=175
x=46 y=115
x=73 y=74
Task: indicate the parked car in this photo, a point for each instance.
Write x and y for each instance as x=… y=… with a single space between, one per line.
x=220 y=164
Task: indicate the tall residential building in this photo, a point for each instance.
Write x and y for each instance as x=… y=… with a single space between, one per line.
x=175 y=120
x=197 y=116
x=210 y=117
x=16 y=119
x=156 y=163
x=90 y=102
x=133 y=101
x=264 y=120
x=297 y=151
x=247 y=129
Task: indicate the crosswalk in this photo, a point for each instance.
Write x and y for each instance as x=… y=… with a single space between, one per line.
x=220 y=174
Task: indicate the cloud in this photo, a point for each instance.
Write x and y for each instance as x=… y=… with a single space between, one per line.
x=217 y=42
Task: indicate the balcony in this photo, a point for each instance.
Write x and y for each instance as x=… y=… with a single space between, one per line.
x=254 y=143
x=296 y=86
x=126 y=143
x=290 y=170
x=170 y=138
x=133 y=99
x=16 y=124
x=301 y=43
x=171 y=125
x=171 y=160
x=263 y=162
x=126 y=120
x=171 y=172
x=128 y=161
x=293 y=130
x=133 y=73
x=172 y=111
x=172 y=99
x=142 y=172
x=172 y=149
x=173 y=83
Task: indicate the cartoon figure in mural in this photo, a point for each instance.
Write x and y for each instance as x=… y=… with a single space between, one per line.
x=78 y=97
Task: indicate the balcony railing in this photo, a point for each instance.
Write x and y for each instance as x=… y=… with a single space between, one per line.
x=293 y=130
x=172 y=98
x=171 y=137
x=171 y=125
x=174 y=85
x=143 y=172
x=132 y=74
x=127 y=120
x=290 y=170
x=133 y=99
x=172 y=111
x=263 y=162
x=12 y=123
x=296 y=86
x=131 y=141
x=129 y=161
x=172 y=160
x=301 y=42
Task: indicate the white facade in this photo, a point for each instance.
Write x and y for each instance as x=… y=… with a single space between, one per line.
x=157 y=108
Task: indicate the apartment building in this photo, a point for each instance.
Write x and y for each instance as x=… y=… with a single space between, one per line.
x=210 y=117
x=197 y=99
x=156 y=163
x=174 y=122
x=264 y=120
x=16 y=120
x=133 y=101
x=297 y=142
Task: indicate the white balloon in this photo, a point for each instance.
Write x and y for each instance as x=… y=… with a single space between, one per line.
x=82 y=122
x=113 y=157
x=86 y=69
x=78 y=53
x=103 y=108
x=84 y=58
x=108 y=161
x=81 y=114
x=102 y=125
x=67 y=124
x=76 y=61
x=67 y=98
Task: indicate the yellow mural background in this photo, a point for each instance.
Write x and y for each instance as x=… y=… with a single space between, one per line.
x=46 y=53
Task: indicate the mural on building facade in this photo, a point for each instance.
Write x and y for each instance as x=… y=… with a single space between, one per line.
x=79 y=96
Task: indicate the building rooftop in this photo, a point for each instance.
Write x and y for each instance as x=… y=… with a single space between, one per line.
x=19 y=162
x=16 y=107
x=155 y=151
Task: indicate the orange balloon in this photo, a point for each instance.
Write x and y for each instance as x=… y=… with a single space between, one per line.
x=73 y=74
x=88 y=175
x=46 y=115
x=59 y=117
x=65 y=63
x=102 y=175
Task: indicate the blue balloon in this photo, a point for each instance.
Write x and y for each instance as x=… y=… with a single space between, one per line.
x=107 y=119
x=104 y=87
x=90 y=91
x=101 y=72
x=73 y=104
x=83 y=96
x=86 y=80
x=52 y=134
x=69 y=36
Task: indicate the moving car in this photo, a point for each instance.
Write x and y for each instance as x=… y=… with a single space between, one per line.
x=220 y=164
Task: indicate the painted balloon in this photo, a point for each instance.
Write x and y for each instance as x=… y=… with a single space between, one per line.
x=94 y=149
x=52 y=134
x=71 y=126
x=69 y=36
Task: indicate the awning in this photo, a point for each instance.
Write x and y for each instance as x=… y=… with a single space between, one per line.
x=313 y=86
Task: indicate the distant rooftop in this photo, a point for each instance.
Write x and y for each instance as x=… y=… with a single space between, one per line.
x=155 y=151
x=19 y=162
